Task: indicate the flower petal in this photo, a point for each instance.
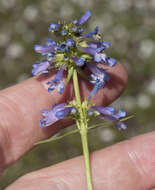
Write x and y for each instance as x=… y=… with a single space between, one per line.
x=79 y=61
x=43 y=49
x=54 y=27
x=85 y=17
x=40 y=68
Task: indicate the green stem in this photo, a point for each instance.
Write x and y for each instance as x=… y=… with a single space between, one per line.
x=76 y=88
x=82 y=125
x=86 y=158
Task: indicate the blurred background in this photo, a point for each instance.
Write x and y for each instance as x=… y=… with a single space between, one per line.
x=127 y=24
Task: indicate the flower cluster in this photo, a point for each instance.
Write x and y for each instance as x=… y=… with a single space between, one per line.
x=76 y=50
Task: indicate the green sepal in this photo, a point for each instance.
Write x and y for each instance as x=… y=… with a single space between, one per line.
x=59 y=57
x=83 y=44
x=86 y=56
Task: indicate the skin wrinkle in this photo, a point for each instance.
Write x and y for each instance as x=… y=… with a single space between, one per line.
x=6 y=140
x=18 y=112
x=116 y=163
x=141 y=159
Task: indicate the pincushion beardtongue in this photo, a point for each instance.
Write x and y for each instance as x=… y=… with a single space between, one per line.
x=75 y=50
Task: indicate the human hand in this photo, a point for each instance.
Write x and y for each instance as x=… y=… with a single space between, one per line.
x=119 y=166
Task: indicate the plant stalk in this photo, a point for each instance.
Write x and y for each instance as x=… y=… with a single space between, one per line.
x=82 y=125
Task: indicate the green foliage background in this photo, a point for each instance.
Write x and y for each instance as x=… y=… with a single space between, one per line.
x=130 y=27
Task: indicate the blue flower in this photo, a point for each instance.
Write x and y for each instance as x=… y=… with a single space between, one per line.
x=70 y=43
x=75 y=21
x=79 y=61
x=110 y=114
x=56 y=113
x=40 y=68
x=57 y=82
x=96 y=45
x=51 y=42
x=64 y=32
x=99 y=56
x=85 y=17
x=91 y=34
x=43 y=49
x=54 y=27
x=99 y=78
x=50 y=56
x=63 y=47
x=74 y=28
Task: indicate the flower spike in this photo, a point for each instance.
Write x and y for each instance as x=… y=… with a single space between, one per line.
x=76 y=52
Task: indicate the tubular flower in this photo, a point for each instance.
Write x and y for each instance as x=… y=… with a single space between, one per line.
x=57 y=82
x=84 y=18
x=54 y=27
x=109 y=113
x=99 y=56
x=91 y=34
x=43 y=49
x=79 y=61
x=56 y=113
x=41 y=68
x=99 y=78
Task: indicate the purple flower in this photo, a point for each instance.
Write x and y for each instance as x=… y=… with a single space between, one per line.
x=75 y=21
x=63 y=47
x=57 y=82
x=54 y=27
x=51 y=42
x=85 y=17
x=70 y=43
x=79 y=61
x=99 y=78
x=40 y=68
x=91 y=34
x=64 y=32
x=99 y=56
x=50 y=56
x=110 y=114
x=43 y=49
x=96 y=45
x=89 y=50
x=74 y=29
x=56 y=113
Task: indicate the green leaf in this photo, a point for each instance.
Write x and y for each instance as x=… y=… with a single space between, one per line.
x=58 y=138
x=127 y=118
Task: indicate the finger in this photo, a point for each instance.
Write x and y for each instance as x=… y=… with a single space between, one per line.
x=20 y=108
x=126 y=165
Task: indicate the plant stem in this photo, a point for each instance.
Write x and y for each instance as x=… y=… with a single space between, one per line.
x=82 y=125
x=86 y=158
x=76 y=88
